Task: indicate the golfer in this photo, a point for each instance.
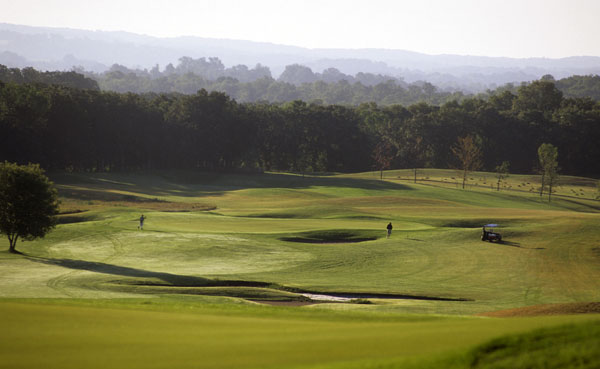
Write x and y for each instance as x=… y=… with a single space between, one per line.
x=141 y=226
x=389 y=229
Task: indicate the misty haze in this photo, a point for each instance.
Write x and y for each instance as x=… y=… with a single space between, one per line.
x=100 y=52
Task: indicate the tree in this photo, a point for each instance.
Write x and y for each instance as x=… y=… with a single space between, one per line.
x=417 y=149
x=551 y=179
x=28 y=203
x=383 y=155
x=469 y=155
x=548 y=157
x=502 y=172
x=297 y=74
x=541 y=96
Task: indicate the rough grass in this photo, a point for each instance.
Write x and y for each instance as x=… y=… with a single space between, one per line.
x=565 y=347
x=567 y=186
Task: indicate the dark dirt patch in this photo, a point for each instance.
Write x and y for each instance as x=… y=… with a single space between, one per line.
x=548 y=309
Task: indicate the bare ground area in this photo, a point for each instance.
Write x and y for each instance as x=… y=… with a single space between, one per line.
x=548 y=309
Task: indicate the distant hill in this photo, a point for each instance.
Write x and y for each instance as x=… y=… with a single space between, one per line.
x=62 y=49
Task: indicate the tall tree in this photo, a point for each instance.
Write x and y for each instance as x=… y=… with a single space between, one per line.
x=28 y=203
x=548 y=158
x=502 y=172
x=383 y=154
x=468 y=152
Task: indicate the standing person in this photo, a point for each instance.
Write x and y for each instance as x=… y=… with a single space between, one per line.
x=141 y=226
x=389 y=229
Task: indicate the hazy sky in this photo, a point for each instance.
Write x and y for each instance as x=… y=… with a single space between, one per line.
x=514 y=28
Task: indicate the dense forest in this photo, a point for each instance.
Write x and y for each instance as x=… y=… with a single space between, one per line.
x=254 y=85
x=87 y=129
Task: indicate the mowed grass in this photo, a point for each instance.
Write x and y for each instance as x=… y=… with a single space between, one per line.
x=246 y=229
x=101 y=292
x=188 y=333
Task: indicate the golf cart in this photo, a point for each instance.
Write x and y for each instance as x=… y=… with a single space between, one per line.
x=491 y=234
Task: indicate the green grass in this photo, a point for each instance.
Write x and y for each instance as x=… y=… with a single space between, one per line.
x=549 y=256
x=571 y=346
x=567 y=187
x=204 y=333
x=212 y=243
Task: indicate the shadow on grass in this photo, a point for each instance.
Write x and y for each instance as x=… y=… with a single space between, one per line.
x=591 y=208
x=333 y=236
x=512 y=244
x=466 y=223
x=560 y=201
x=168 y=279
x=175 y=281
x=101 y=195
x=197 y=184
x=516 y=244
x=70 y=219
x=98 y=267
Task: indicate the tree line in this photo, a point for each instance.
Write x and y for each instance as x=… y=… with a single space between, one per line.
x=298 y=82
x=90 y=130
x=254 y=85
x=29 y=75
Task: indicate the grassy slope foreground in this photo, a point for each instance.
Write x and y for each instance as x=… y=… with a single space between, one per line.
x=196 y=333
x=87 y=288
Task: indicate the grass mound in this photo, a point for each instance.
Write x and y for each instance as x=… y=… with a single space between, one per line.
x=570 y=346
x=248 y=290
x=333 y=236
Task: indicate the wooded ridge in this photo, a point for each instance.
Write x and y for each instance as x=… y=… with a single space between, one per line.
x=88 y=129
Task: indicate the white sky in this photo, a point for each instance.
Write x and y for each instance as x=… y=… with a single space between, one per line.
x=513 y=28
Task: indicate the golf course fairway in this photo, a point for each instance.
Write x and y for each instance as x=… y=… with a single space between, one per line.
x=225 y=271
